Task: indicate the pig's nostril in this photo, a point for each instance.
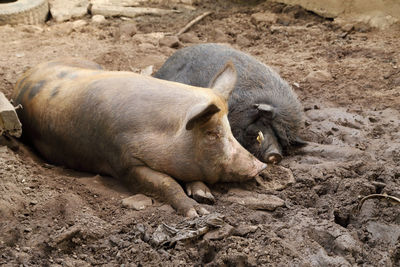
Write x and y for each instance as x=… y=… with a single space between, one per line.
x=274 y=158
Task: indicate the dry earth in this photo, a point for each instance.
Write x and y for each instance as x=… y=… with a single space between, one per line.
x=347 y=77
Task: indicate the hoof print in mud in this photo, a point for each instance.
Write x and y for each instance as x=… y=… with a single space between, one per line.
x=275 y=177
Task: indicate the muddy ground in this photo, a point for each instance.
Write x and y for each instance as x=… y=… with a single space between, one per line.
x=54 y=216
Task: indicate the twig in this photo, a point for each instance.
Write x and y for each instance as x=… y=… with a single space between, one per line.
x=377 y=196
x=191 y=23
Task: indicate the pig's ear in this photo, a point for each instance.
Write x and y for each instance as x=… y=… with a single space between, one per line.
x=265 y=110
x=225 y=80
x=200 y=114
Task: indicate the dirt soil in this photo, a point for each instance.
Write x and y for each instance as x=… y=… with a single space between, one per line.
x=348 y=79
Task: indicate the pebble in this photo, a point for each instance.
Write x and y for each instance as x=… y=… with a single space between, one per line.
x=100 y=19
x=169 y=41
x=78 y=24
x=128 y=29
x=137 y=202
x=319 y=76
x=255 y=201
x=189 y=38
x=219 y=233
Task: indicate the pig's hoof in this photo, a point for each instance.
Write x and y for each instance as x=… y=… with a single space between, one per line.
x=191 y=213
x=200 y=192
x=195 y=212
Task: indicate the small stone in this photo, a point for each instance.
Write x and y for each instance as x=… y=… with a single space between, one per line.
x=128 y=29
x=189 y=38
x=65 y=10
x=219 y=36
x=285 y=21
x=151 y=38
x=32 y=29
x=99 y=19
x=78 y=24
x=319 y=76
x=169 y=41
x=243 y=230
x=148 y=71
x=219 y=233
x=347 y=27
x=255 y=201
x=242 y=40
x=263 y=18
x=346 y=243
x=146 y=46
x=137 y=202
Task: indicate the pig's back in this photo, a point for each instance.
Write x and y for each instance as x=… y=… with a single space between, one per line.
x=82 y=118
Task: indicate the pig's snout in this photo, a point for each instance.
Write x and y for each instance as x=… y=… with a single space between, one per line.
x=273 y=157
x=271 y=150
x=259 y=167
x=243 y=166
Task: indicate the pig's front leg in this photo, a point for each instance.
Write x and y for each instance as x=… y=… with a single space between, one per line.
x=200 y=192
x=167 y=188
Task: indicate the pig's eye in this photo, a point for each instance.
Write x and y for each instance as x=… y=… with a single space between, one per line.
x=213 y=135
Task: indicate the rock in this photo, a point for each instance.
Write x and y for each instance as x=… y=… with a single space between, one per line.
x=346 y=244
x=32 y=29
x=146 y=46
x=99 y=19
x=137 y=202
x=219 y=36
x=169 y=41
x=131 y=12
x=152 y=38
x=189 y=38
x=319 y=76
x=65 y=10
x=254 y=200
x=242 y=40
x=284 y=20
x=148 y=71
x=9 y=121
x=384 y=233
x=263 y=18
x=127 y=29
x=219 y=233
x=243 y=230
x=78 y=24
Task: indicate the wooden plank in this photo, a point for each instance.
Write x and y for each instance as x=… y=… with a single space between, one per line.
x=9 y=122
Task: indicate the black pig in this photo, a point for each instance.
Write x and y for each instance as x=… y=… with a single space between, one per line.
x=264 y=112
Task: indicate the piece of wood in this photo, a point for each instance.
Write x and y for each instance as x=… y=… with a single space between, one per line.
x=131 y=12
x=9 y=122
x=191 y=23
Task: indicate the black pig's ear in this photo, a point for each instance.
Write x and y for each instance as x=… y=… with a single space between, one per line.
x=265 y=110
x=200 y=114
x=225 y=80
